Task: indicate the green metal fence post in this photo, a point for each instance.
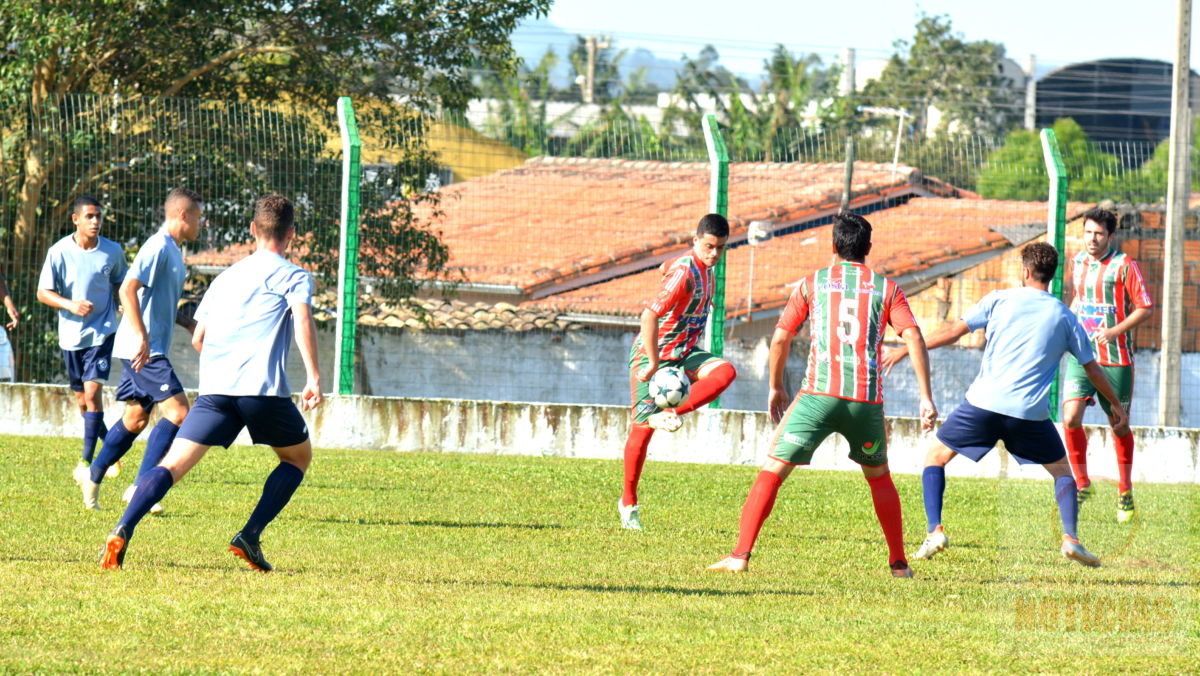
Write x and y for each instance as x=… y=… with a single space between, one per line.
x=718 y=203
x=1056 y=227
x=347 y=296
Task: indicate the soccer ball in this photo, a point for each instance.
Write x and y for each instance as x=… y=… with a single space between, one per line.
x=669 y=387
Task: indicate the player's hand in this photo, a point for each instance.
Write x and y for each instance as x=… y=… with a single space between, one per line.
x=1119 y=419
x=891 y=357
x=14 y=318
x=81 y=308
x=142 y=356
x=929 y=414
x=311 y=396
x=777 y=404
x=644 y=373
x=1106 y=336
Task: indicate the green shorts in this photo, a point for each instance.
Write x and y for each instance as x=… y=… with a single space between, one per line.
x=641 y=401
x=813 y=417
x=1077 y=386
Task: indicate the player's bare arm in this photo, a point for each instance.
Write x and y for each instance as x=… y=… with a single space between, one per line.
x=198 y=337
x=129 y=300
x=1117 y=415
x=79 y=308
x=1138 y=316
x=946 y=334
x=14 y=316
x=777 y=394
x=914 y=343
x=306 y=340
x=649 y=322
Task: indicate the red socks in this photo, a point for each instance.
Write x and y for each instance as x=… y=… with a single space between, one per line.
x=1077 y=453
x=1124 y=462
x=758 y=507
x=635 y=457
x=887 y=509
x=708 y=388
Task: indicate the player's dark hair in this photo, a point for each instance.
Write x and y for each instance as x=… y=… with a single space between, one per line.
x=1041 y=260
x=176 y=194
x=1105 y=217
x=713 y=224
x=851 y=236
x=274 y=217
x=84 y=201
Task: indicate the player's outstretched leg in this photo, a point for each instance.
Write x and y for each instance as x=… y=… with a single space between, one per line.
x=278 y=489
x=891 y=519
x=150 y=490
x=711 y=381
x=933 y=490
x=1068 y=510
x=755 y=511
x=636 y=447
x=1077 y=445
x=1125 y=508
x=116 y=444
x=93 y=430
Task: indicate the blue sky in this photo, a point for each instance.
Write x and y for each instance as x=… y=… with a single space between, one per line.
x=1057 y=32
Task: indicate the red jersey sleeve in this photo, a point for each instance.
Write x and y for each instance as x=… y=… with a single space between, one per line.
x=674 y=290
x=899 y=315
x=1135 y=286
x=797 y=308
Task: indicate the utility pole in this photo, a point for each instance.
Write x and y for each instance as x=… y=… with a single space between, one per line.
x=1178 y=189
x=592 y=44
x=846 y=90
x=1030 y=93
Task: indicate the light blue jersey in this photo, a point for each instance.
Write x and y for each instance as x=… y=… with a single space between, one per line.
x=247 y=321
x=1027 y=333
x=159 y=267
x=76 y=273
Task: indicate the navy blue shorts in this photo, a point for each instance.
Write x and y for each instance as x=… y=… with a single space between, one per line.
x=88 y=364
x=973 y=431
x=155 y=382
x=217 y=419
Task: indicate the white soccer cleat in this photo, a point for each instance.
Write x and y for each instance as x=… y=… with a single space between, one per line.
x=1076 y=552
x=128 y=495
x=732 y=564
x=667 y=421
x=81 y=473
x=91 y=493
x=630 y=519
x=113 y=471
x=935 y=542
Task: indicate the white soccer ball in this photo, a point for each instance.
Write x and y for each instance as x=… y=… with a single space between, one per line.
x=669 y=387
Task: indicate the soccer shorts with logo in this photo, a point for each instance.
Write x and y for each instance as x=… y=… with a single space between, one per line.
x=973 y=432
x=88 y=364
x=155 y=382
x=813 y=417
x=217 y=419
x=1077 y=386
x=641 y=401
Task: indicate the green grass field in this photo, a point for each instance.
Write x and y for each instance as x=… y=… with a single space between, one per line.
x=390 y=562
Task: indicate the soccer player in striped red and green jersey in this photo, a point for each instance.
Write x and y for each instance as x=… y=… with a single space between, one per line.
x=673 y=323
x=848 y=307
x=1110 y=299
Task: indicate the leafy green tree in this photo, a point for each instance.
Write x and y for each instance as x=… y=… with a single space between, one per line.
x=1017 y=170
x=1150 y=181
x=962 y=79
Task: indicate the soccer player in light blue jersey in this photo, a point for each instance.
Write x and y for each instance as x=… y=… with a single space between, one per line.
x=81 y=273
x=245 y=326
x=1028 y=331
x=150 y=295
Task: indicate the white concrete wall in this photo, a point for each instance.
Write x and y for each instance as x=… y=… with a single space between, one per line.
x=590 y=431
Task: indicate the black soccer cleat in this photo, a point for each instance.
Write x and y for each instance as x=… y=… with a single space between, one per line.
x=112 y=557
x=250 y=551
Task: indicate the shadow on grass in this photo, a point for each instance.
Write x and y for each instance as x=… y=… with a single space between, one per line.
x=623 y=588
x=440 y=524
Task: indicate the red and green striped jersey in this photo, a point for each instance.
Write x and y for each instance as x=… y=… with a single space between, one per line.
x=682 y=305
x=849 y=305
x=1105 y=290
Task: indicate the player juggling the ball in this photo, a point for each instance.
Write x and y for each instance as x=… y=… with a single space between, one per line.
x=1028 y=330
x=245 y=325
x=848 y=307
x=671 y=325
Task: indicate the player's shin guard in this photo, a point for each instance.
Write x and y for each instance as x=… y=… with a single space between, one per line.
x=887 y=510
x=708 y=388
x=116 y=444
x=277 y=491
x=1068 y=504
x=1077 y=453
x=93 y=430
x=635 y=457
x=933 y=487
x=1124 y=462
x=157 y=445
x=150 y=490
x=759 y=504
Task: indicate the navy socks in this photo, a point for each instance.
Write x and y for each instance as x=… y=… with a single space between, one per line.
x=151 y=488
x=93 y=429
x=278 y=489
x=157 y=445
x=116 y=444
x=1068 y=503
x=933 y=486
